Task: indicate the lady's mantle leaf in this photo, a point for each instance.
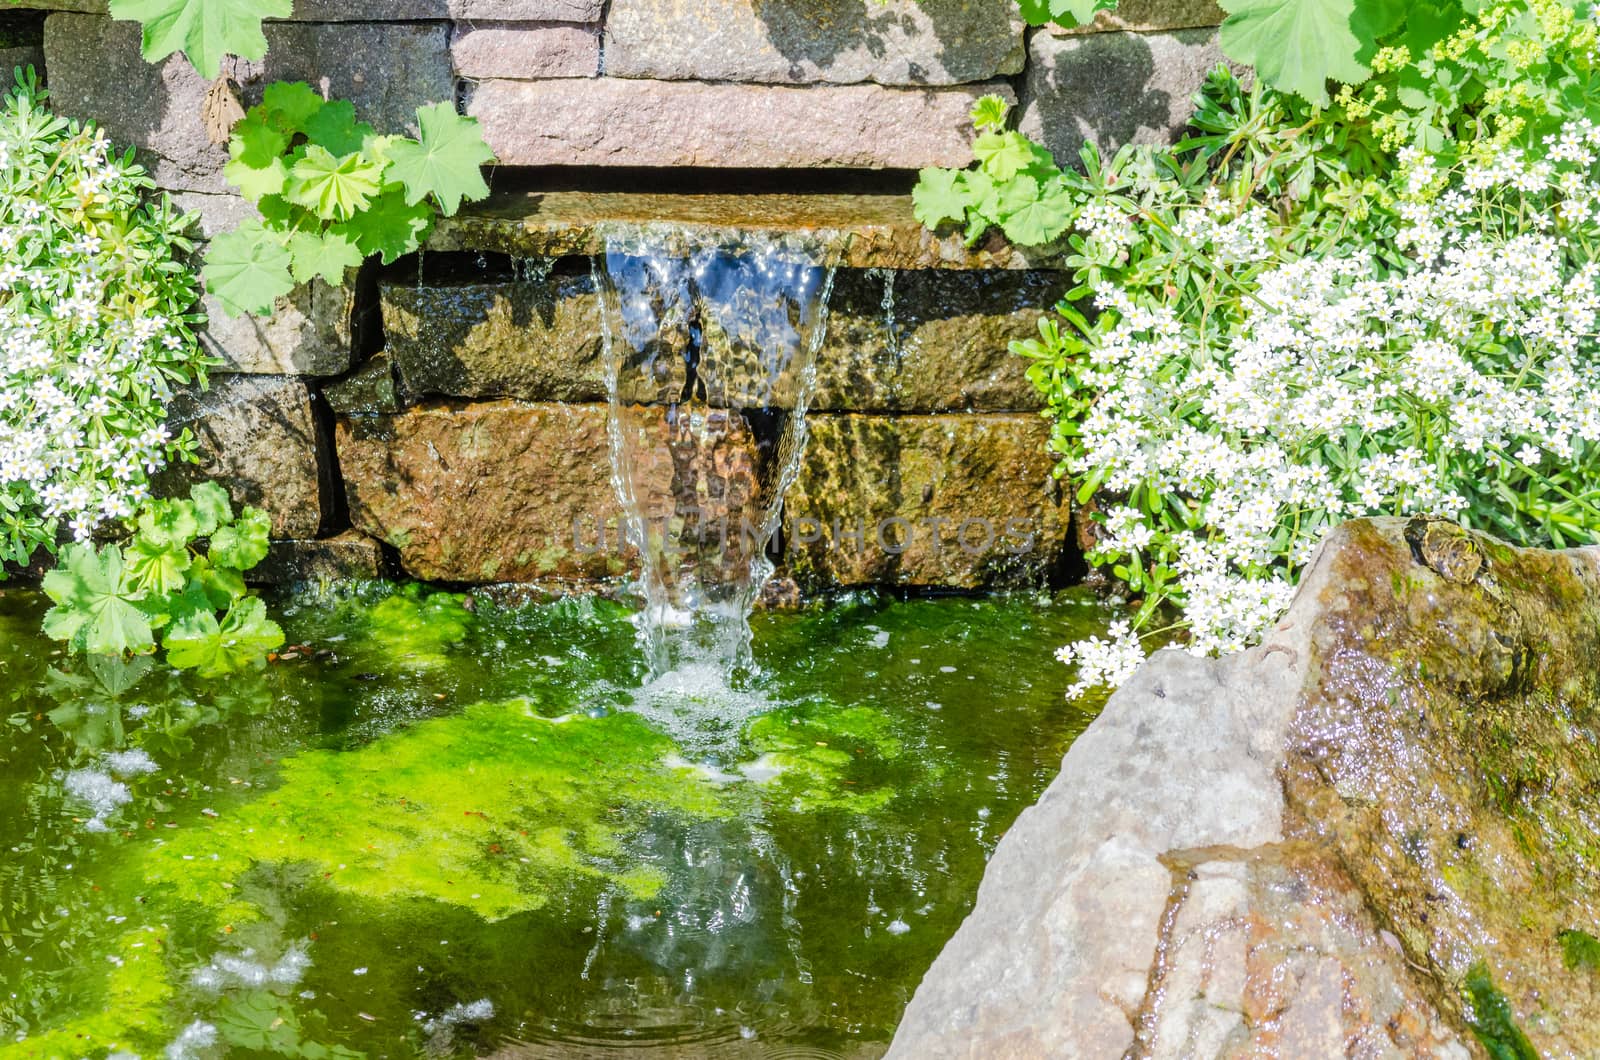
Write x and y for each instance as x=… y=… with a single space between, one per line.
x=248 y=269
x=197 y=641
x=327 y=255
x=445 y=164
x=940 y=196
x=1295 y=45
x=204 y=30
x=94 y=609
x=334 y=188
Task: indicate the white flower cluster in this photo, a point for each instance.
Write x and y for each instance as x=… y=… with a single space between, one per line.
x=92 y=329
x=1466 y=384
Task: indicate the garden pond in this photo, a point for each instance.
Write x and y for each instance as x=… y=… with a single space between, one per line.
x=442 y=825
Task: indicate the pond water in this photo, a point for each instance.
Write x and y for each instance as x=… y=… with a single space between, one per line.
x=453 y=826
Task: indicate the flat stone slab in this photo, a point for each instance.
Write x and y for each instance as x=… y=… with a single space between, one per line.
x=257 y=435
x=852 y=231
x=899 y=42
x=525 y=52
x=96 y=72
x=932 y=341
x=395 y=10
x=517 y=492
x=1111 y=89
x=958 y=501
x=310 y=332
x=1149 y=16
x=538 y=341
x=619 y=122
x=348 y=557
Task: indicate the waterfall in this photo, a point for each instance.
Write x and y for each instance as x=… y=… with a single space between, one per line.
x=710 y=353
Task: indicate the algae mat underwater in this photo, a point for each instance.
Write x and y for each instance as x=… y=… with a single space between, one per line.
x=437 y=826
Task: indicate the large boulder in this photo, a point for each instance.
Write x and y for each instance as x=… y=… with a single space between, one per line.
x=1374 y=835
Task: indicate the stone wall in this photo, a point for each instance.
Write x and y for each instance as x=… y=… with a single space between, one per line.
x=359 y=417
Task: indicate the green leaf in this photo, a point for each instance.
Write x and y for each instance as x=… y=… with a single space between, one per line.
x=445 y=163
x=212 y=507
x=989 y=113
x=256 y=164
x=221 y=585
x=939 y=196
x=334 y=188
x=1004 y=155
x=289 y=106
x=94 y=610
x=334 y=127
x=240 y=641
x=1295 y=45
x=204 y=30
x=327 y=255
x=248 y=269
x=244 y=543
x=1067 y=13
x=390 y=227
x=157 y=568
x=1032 y=215
x=169 y=523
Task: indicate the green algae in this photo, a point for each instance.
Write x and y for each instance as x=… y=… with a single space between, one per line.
x=836 y=758
x=491 y=810
x=1492 y=1020
x=347 y=798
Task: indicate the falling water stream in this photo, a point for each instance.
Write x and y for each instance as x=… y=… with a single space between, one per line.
x=711 y=350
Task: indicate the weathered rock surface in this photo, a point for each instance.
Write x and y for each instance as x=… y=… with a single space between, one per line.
x=398 y=10
x=257 y=436
x=370 y=388
x=507 y=491
x=311 y=332
x=525 y=52
x=618 y=122
x=852 y=231
x=932 y=341
x=1150 y=16
x=959 y=501
x=1112 y=89
x=350 y=556
x=96 y=72
x=935 y=341
x=900 y=42
x=536 y=340
x=1304 y=850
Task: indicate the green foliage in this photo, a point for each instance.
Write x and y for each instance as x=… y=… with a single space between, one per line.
x=1295 y=45
x=1017 y=186
x=1493 y=1022
x=332 y=191
x=206 y=31
x=113 y=600
x=96 y=328
x=1191 y=408
x=1063 y=12
x=1579 y=949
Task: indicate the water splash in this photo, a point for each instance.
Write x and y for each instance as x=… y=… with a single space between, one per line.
x=711 y=348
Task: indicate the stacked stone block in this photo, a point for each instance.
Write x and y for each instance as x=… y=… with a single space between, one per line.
x=460 y=425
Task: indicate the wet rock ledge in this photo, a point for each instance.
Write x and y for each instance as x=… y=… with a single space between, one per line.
x=1376 y=835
